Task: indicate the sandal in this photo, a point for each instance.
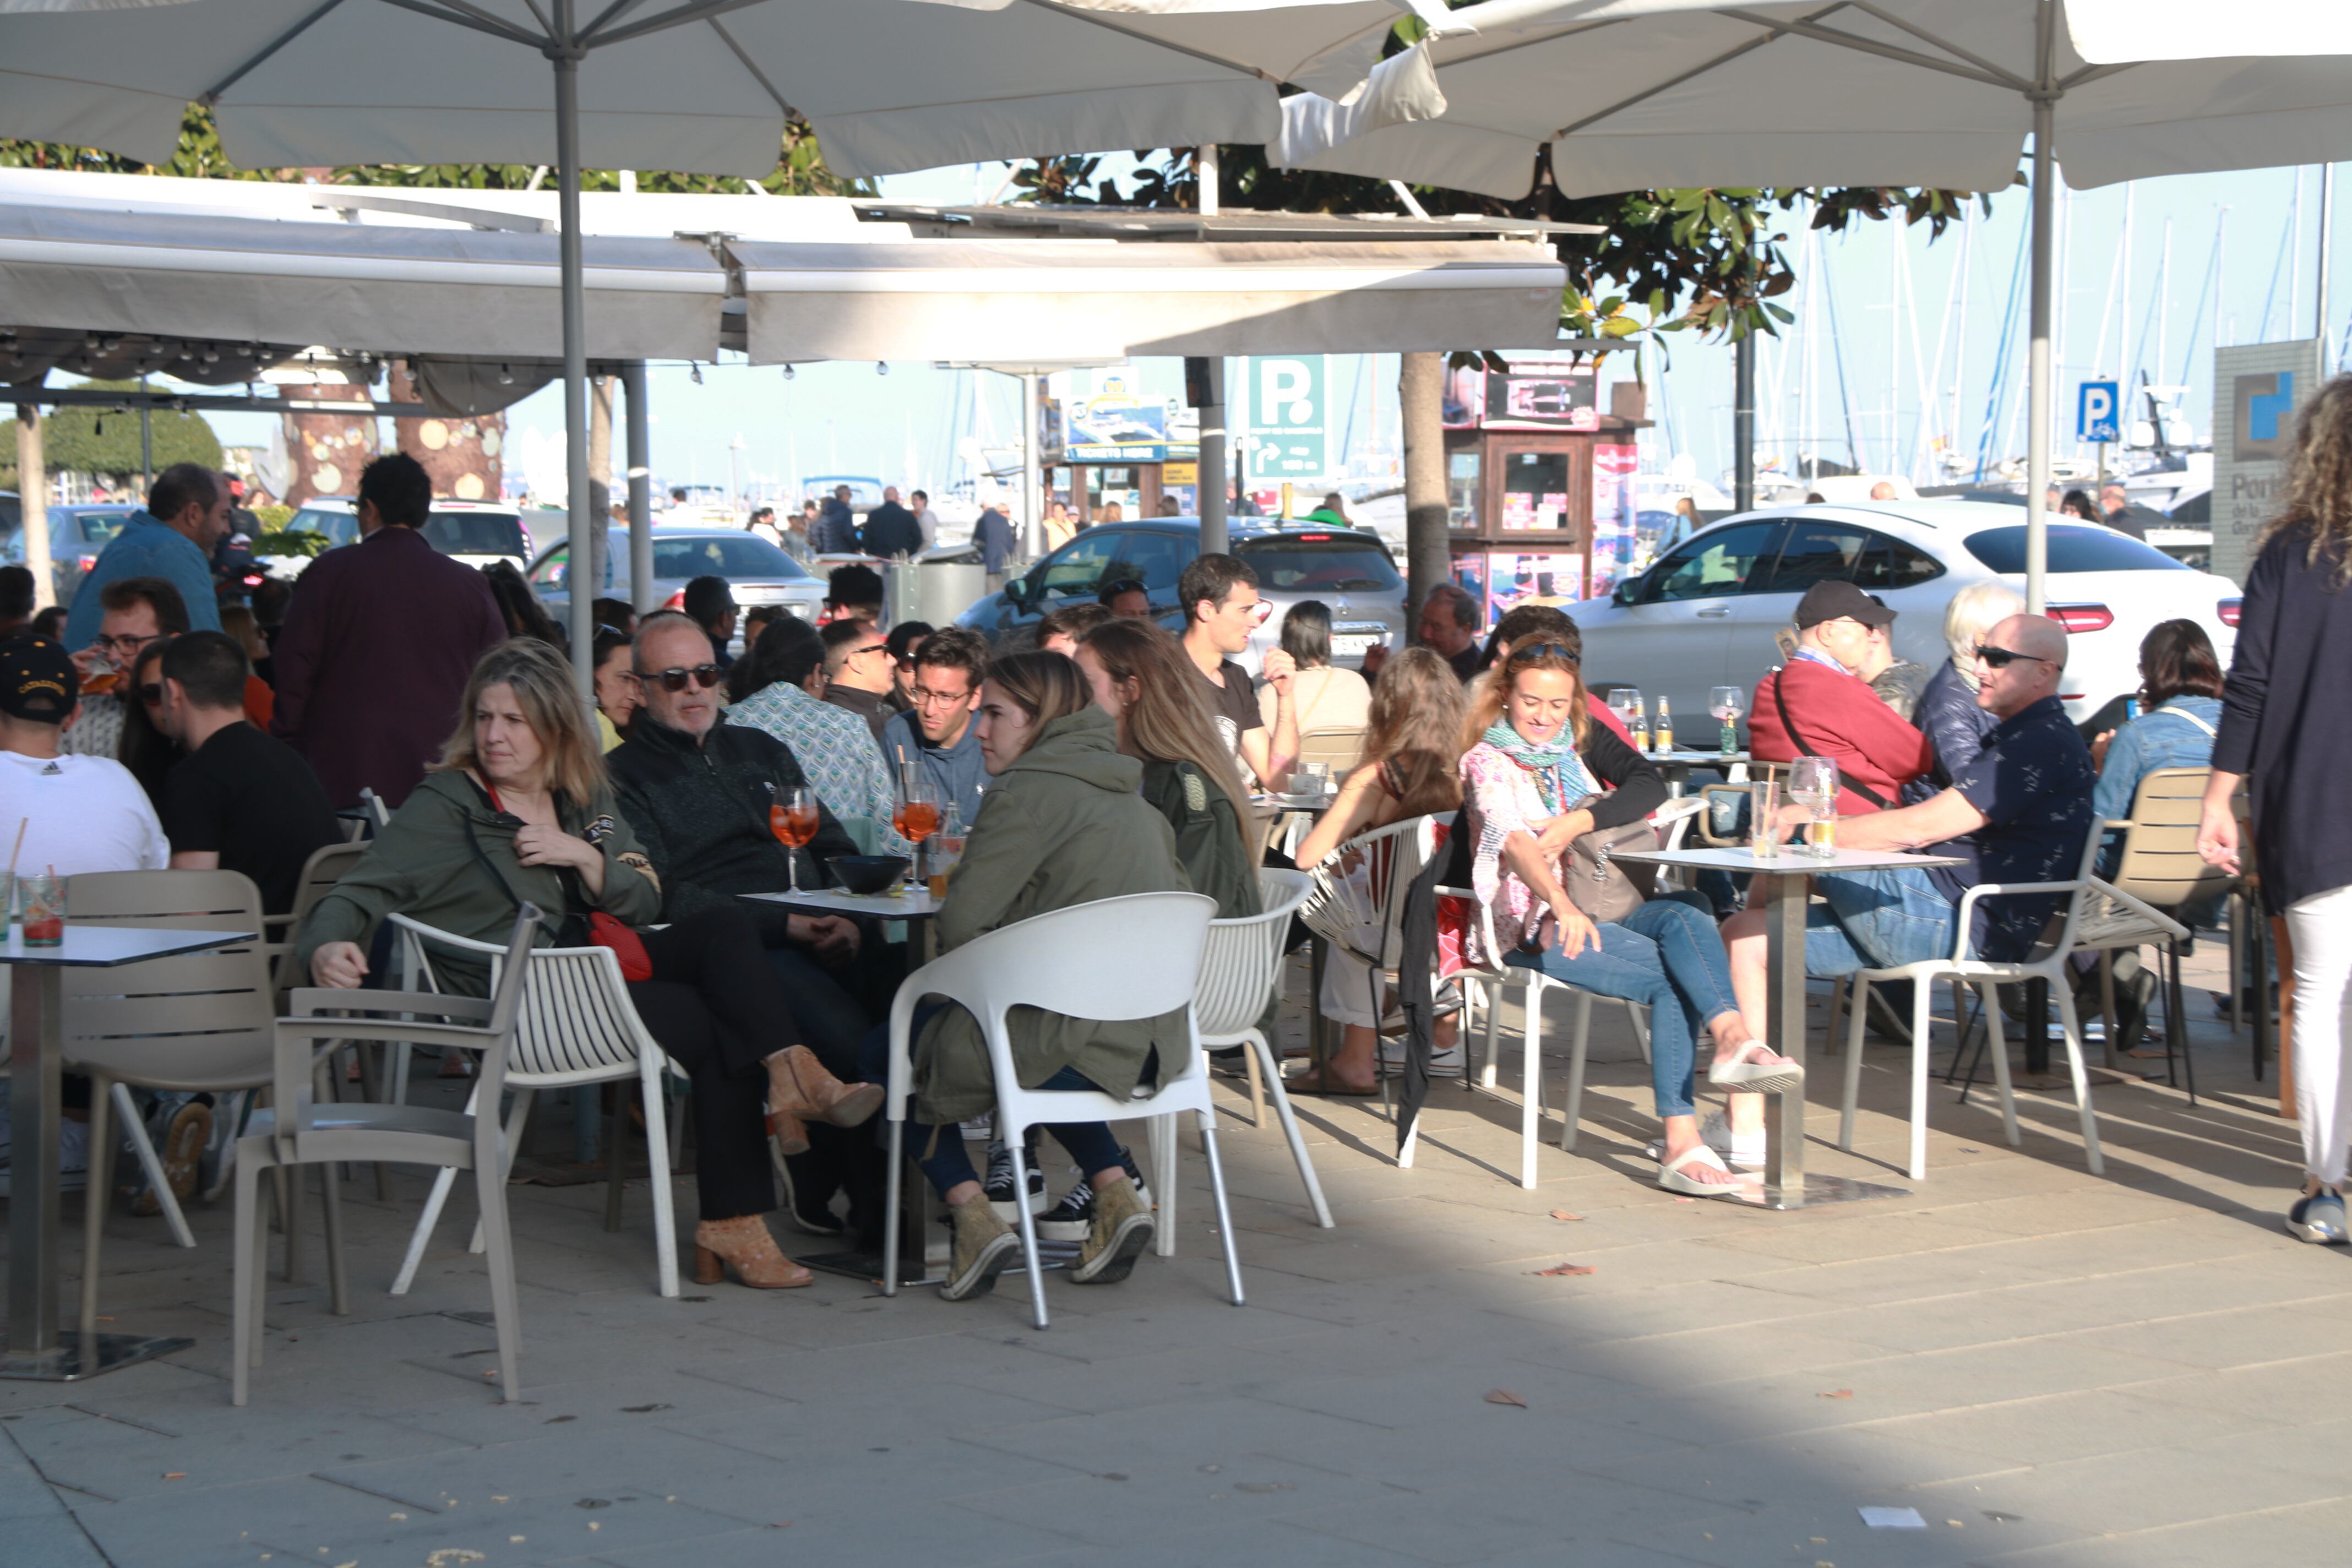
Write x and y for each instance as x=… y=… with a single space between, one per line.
x=1743 y=1076
x=1318 y=1080
x=1670 y=1177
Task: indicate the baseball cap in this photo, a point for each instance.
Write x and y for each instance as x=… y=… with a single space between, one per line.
x=38 y=680
x=1840 y=600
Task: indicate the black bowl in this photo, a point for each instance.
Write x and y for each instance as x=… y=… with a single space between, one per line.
x=868 y=873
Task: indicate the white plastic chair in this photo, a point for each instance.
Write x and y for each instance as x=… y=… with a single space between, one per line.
x=1114 y=959
x=1987 y=975
x=299 y=1131
x=197 y=1022
x=577 y=1027
x=1241 y=973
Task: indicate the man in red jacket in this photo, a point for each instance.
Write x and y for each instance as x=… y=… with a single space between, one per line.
x=1816 y=706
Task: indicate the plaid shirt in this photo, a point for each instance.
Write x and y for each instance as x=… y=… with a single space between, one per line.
x=835 y=749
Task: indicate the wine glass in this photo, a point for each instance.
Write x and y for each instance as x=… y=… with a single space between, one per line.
x=916 y=816
x=792 y=817
x=1813 y=785
x=1724 y=703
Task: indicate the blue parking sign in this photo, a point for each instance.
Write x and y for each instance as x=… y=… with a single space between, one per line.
x=2094 y=412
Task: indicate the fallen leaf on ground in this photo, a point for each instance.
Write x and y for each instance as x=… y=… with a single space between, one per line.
x=1685 y=1200
x=1504 y=1396
x=176 y=1475
x=1838 y=1393
x=1565 y=1269
x=1563 y=1213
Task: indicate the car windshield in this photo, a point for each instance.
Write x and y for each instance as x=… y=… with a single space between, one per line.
x=340 y=527
x=1319 y=562
x=728 y=555
x=2074 y=547
x=476 y=533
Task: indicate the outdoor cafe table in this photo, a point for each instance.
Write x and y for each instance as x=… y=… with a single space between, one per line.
x=35 y=1348
x=1679 y=765
x=1789 y=876
x=915 y=906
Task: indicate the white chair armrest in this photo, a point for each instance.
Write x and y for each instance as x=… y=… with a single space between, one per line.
x=1965 y=918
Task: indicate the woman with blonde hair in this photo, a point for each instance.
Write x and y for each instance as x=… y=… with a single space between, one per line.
x=1142 y=678
x=2286 y=732
x=519 y=810
x=1531 y=785
x=1947 y=712
x=1412 y=744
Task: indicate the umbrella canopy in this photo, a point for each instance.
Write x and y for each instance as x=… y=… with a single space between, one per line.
x=696 y=85
x=1639 y=94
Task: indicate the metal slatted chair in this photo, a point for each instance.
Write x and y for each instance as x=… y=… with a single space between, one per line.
x=577 y=1028
x=1357 y=905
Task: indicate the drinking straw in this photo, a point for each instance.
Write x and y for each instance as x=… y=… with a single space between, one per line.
x=22 y=823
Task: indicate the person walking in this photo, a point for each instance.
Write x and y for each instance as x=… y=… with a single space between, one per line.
x=2286 y=733
x=379 y=643
x=186 y=515
x=891 y=531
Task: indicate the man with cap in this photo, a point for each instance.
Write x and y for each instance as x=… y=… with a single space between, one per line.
x=81 y=814
x=1818 y=705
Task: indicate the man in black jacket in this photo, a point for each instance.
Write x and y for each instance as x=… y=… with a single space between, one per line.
x=890 y=530
x=835 y=531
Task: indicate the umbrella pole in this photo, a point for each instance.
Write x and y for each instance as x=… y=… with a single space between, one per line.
x=2037 y=440
x=642 y=597
x=566 y=58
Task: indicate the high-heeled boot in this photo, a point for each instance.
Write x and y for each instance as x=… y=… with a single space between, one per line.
x=745 y=1245
x=800 y=1089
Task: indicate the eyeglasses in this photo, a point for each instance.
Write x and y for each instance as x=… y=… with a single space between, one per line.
x=2002 y=658
x=926 y=698
x=674 y=678
x=126 y=645
x=151 y=694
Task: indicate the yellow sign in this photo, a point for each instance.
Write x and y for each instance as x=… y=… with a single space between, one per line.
x=1180 y=473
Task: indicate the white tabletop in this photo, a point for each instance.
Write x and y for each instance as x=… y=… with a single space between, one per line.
x=102 y=947
x=1697 y=759
x=914 y=905
x=1789 y=862
x=1291 y=802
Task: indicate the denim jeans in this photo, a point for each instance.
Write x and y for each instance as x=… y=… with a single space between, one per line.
x=1668 y=956
x=1876 y=919
x=940 y=1151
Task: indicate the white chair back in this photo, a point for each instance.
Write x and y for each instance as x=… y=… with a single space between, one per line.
x=1240 y=963
x=198 y=1021
x=575 y=1016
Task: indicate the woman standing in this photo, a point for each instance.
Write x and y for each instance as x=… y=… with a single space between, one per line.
x=1533 y=756
x=519 y=810
x=2286 y=731
x=1321 y=697
x=1062 y=825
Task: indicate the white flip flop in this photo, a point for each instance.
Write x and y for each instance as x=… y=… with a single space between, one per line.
x=1670 y=1177
x=1755 y=1077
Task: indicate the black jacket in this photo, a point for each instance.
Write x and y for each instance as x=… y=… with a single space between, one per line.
x=890 y=530
x=835 y=531
x=870 y=706
x=701 y=815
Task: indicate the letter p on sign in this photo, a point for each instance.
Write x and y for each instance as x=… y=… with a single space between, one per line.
x=2094 y=412
x=1285 y=392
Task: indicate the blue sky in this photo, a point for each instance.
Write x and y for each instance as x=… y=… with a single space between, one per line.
x=848 y=419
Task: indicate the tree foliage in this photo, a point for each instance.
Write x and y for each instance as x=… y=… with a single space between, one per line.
x=799 y=168
x=82 y=440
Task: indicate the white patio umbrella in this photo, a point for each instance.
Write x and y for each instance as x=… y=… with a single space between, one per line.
x=1637 y=94
x=702 y=85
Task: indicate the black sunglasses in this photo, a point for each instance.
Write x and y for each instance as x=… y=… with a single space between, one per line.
x=675 y=678
x=2002 y=658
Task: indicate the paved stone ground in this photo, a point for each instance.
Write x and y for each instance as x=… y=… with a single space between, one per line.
x=2052 y=1368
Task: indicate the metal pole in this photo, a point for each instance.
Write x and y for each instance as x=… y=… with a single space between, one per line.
x=1033 y=475
x=565 y=54
x=641 y=498
x=2326 y=200
x=1743 y=424
x=2037 y=418
x=33 y=485
x=1211 y=468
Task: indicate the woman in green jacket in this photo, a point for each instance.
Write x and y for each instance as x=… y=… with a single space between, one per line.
x=1061 y=825
x=519 y=810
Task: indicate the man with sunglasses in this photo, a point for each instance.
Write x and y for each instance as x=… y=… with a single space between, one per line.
x=1821 y=704
x=859 y=672
x=1126 y=598
x=1222 y=608
x=2019 y=812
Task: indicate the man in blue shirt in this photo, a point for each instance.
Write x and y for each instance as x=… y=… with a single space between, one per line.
x=186 y=515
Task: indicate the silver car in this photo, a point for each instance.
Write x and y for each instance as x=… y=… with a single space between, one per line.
x=757 y=572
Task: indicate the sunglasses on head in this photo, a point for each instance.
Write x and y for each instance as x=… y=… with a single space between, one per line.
x=2002 y=658
x=1124 y=585
x=1548 y=650
x=674 y=678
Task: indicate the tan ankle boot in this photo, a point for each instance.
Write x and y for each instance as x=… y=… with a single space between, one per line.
x=1119 y=1231
x=800 y=1087
x=746 y=1245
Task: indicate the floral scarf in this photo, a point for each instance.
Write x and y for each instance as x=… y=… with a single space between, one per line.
x=1560 y=776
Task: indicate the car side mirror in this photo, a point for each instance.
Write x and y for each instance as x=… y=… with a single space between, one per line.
x=1624 y=593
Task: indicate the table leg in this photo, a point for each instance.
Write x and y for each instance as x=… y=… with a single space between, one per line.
x=1784 y=1123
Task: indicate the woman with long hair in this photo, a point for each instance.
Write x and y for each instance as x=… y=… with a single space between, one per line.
x=1412 y=749
x=1141 y=678
x=617 y=694
x=1061 y=825
x=1532 y=770
x=519 y=810
x=2287 y=720
x=145 y=749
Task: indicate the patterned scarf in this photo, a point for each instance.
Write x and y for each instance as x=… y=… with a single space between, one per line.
x=1560 y=775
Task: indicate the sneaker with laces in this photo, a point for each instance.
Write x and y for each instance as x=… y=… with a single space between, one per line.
x=999 y=1185
x=1118 y=1228
x=983 y=1247
x=1072 y=1218
x=2318 y=1218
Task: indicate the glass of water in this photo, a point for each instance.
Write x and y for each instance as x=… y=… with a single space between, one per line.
x=1813 y=785
x=1315 y=778
x=1763 y=811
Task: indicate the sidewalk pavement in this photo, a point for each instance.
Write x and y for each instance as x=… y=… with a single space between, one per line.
x=2052 y=1369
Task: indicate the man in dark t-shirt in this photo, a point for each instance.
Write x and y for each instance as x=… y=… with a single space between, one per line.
x=1221 y=609
x=239 y=800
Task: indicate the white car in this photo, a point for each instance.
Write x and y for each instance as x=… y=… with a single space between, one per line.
x=1705 y=614
x=474 y=533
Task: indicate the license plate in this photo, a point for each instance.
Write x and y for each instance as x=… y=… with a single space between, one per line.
x=1353 y=647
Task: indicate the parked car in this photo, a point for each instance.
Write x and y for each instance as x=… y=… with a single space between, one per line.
x=757 y=572
x=1349 y=570
x=76 y=534
x=474 y=533
x=1705 y=614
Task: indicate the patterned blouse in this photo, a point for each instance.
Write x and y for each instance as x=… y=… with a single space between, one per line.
x=835 y=749
x=1503 y=798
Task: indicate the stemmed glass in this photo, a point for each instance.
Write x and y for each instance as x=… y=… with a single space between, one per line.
x=1813 y=785
x=1724 y=703
x=916 y=816
x=792 y=817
